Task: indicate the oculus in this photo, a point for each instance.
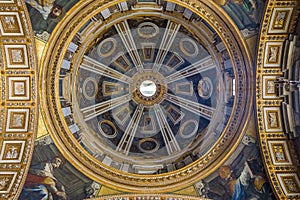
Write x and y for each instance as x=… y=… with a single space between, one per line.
x=148 y=88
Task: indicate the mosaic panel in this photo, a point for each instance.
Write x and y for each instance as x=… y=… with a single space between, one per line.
x=272 y=119
x=269 y=89
x=280 y=20
x=12 y=151
x=16 y=56
x=290 y=183
x=7 y=180
x=10 y=24
x=122 y=115
x=148 y=51
x=279 y=152
x=174 y=114
x=174 y=62
x=273 y=54
x=184 y=88
x=17 y=120
x=19 y=88
x=148 y=124
x=122 y=63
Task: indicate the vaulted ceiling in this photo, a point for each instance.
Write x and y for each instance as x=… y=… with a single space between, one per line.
x=151 y=99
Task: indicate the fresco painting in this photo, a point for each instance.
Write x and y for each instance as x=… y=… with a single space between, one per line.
x=46 y=14
x=241 y=177
x=52 y=177
x=41 y=182
x=246 y=14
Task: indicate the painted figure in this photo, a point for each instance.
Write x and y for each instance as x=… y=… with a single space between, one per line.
x=41 y=183
x=250 y=184
x=245 y=13
x=44 y=7
x=45 y=14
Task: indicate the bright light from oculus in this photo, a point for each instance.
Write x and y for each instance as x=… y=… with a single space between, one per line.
x=148 y=88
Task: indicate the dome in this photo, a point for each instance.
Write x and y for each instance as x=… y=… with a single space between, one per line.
x=151 y=95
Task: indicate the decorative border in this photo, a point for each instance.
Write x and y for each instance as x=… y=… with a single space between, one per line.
x=18 y=97
x=279 y=20
x=149 y=197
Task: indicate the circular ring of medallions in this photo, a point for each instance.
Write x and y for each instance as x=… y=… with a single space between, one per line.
x=140 y=161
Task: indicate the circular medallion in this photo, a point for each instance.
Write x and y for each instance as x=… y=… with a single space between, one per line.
x=148 y=145
x=90 y=88
x=106 y=47
x=107 y=129
x=189 y=47
x=188 y=128
x=205 y=88
x=147 y=30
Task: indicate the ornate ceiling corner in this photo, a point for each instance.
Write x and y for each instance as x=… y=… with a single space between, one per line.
x=273 y=58
x=88 y=75
x=19 y=96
